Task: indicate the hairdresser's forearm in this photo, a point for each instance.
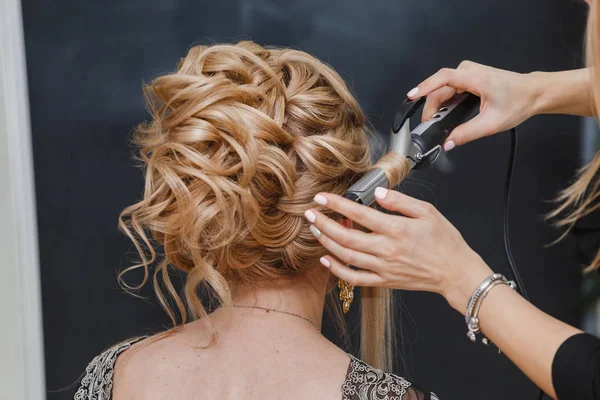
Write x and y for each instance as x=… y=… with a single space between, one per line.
x=564 y=92
x=528 y=336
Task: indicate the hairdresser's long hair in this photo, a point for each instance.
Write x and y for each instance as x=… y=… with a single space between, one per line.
x=241 y=139
x=583 y=196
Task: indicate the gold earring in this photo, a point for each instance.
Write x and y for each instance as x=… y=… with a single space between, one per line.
x=346 y=294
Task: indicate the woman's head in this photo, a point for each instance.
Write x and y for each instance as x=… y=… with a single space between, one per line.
x=241 y=139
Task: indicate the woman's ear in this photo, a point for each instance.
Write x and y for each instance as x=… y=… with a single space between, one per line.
x=333 y=280
x=332 y=283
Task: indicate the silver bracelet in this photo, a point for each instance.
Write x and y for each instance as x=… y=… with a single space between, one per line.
x=471 y=316
x=477 y=293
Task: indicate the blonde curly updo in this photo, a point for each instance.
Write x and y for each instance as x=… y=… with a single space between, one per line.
x=241 y=140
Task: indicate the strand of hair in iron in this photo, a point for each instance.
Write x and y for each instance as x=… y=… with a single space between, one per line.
x=395 y=166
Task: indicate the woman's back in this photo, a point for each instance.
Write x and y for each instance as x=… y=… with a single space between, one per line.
x=245 y=362
x=254 y=357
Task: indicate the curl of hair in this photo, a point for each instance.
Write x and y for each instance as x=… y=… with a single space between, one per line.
x=395 y=166
x=241 y=139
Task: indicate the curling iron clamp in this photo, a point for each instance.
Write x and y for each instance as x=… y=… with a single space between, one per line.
x=421 y=146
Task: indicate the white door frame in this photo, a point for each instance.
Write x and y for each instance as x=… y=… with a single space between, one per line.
x=21 y=340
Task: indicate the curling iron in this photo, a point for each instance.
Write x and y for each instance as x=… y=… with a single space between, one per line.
x=420 y=146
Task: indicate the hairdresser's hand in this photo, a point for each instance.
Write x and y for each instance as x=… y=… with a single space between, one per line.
x=507 y=98
x=420 y=250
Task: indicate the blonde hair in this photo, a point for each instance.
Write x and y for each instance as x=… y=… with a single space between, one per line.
x=241 y=139
x=581 y=197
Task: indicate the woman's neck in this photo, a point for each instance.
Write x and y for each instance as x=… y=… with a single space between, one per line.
x=304 y=297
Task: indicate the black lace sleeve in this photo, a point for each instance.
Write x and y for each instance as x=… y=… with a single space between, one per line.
x=414 y=393
x=364 y=382
x=97 y=382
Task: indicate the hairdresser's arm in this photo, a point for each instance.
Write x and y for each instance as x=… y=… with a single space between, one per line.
x=421 y=250
x=507 y=98
x=528 y=336
x=564 y=92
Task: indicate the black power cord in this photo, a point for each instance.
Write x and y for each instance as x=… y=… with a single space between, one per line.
x=507 y=249
x=507 y=187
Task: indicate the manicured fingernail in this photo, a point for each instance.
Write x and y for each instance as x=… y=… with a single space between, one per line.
x=320 y=199
x=310 y=216
x=325 y=262
x=413 y=92
x=315 y=231
x=449 y=145
x=380 y=193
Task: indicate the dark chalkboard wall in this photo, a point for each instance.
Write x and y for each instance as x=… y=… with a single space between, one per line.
x=86 y=62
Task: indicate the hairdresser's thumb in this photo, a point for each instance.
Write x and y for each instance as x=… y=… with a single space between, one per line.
x=476 y=128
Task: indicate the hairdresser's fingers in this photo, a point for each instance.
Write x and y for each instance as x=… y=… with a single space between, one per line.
x=363 y=215
x=457 y=78
x=347 y=237
x=485 y=124
x=435 y=100
x=353 y=277
x=349 y=256
x=403 y=204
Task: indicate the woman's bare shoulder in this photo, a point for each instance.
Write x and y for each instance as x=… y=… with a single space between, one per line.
x=148 y=364
x=114 y=373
